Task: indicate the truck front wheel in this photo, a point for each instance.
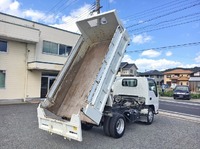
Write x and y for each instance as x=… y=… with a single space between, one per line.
x=117 y=125
x=150 y=116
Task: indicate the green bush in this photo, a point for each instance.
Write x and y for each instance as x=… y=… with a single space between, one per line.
x=195 y=96
x=167 y=93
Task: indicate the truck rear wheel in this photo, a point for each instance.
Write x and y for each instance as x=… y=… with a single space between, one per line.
x=106 y=125
x=117 y=125
x=150 y=116
x=86 y=126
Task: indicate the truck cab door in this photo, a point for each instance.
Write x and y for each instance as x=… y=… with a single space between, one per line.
x=153 y=94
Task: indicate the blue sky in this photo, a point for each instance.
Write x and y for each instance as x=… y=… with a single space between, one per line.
x=143 y=20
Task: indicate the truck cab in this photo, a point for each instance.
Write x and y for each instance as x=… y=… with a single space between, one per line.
x=145 y=89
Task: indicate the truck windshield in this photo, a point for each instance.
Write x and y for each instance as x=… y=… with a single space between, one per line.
x=129 y=82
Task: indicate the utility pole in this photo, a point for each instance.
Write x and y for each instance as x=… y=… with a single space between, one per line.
x=98 y=6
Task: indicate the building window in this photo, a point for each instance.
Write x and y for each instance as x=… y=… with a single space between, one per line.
x=129 y=82
x=3 y=46
x=56 y=49
x=64 y=50
x=168 y=76
x=2 y=78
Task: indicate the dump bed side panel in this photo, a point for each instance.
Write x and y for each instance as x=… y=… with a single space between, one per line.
x=103 y=83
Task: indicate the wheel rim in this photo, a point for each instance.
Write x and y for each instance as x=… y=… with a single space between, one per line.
x=150 y=116
x=120 y=126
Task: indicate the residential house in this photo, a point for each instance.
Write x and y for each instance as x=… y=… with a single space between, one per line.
x=177 y=76
x=155 y=74
x=194 y=81
x=31 y=55
x=127 y=69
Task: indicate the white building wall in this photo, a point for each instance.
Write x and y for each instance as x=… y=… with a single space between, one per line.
x=33 y=84
x=22 y=82
x=13 y=62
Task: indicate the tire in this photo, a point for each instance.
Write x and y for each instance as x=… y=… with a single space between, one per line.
x=106 y=125
x=86 y=126
x=150 y=116
x=117 y=126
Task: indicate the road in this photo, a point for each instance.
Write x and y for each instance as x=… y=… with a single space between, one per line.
x=19 y=130
x=180 y=106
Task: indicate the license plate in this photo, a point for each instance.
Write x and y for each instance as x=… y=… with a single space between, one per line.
x=181 y=96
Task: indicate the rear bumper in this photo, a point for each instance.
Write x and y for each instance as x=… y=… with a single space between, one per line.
x=68 y=129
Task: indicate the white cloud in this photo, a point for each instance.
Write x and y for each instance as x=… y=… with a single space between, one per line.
x=39 y=16
x=197 y=59
x=10 y=7
x=150 y=53
x=14 y=6
x=4 y=5
x=34 y=14
x=65 y=22
x=69 y=22
x=145 y=64
x=168 y=53
x=141 y=38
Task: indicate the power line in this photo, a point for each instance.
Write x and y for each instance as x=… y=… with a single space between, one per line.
x=85 y=13
x=166 y=14
x=72 y=2
x=150 y=10
x=157 y=10
x=196 y=20
x=52 y=8
x=167 y=47
x=182 y=18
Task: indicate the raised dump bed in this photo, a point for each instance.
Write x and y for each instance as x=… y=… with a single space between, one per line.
x=83 y=85
x=74 y=89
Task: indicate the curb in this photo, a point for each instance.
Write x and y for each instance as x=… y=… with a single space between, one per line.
x=11 y=101
x=20 y=101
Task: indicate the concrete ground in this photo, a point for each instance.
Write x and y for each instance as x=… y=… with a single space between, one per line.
x=19 y=130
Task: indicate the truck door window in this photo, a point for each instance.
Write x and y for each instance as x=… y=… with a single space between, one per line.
x=129 y=82
x=152 y=86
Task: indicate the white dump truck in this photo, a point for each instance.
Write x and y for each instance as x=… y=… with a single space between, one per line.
x=84 y=95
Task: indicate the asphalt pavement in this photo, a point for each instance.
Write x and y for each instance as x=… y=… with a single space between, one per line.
x=181 y=107
x=19 y=130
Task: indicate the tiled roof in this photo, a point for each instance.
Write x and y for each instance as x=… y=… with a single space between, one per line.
x=178 y=71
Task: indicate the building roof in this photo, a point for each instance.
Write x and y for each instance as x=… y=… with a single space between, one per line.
x=123 y=64
x=152 y=72
x=39 y=23
x=126 y=65
x=178 y=71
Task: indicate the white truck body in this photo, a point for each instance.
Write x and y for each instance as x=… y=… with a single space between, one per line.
x=82 y=88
